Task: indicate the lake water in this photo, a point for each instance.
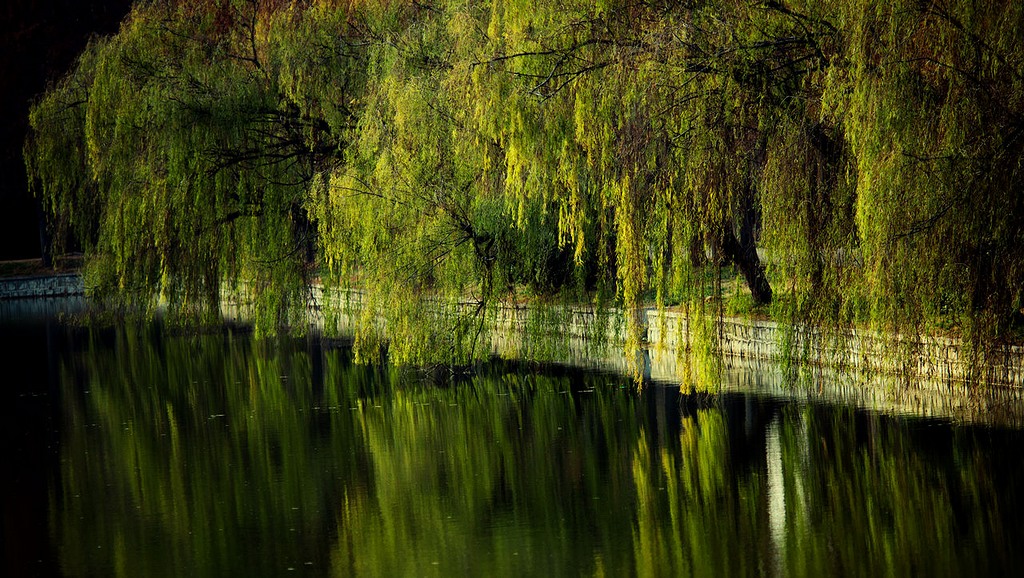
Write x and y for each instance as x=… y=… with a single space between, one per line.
x=138 y=452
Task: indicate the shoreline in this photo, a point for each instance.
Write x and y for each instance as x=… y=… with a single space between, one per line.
x=848 y=369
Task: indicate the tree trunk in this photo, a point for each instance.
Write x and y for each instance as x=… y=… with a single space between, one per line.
x=743 y=252
x=45 y=242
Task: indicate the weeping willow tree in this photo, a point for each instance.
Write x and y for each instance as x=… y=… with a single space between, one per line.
x=928 y=96
x=647 y=127
x=409 y=212
x=449 y=205
x=856 y=163
x=181 y=150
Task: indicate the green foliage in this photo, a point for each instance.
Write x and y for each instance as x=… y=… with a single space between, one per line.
x=193 y=142
x=859 y=163
x=926 y=97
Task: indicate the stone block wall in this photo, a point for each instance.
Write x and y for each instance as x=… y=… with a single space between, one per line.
x=64 y=285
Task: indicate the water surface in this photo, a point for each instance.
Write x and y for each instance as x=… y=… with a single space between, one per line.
x=138 y=452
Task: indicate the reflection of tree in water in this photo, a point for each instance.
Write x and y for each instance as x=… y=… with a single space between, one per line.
x=695 y=516
x=198 y=454
x=509 y=475
x=884 y=494
x=221 y=454
x=834 y=492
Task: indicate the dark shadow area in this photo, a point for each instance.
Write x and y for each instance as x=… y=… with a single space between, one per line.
x=38 y=42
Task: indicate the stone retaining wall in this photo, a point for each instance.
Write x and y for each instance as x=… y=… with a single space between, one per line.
x=858 y=355
x=856 y=352
x=63 y=285
x=840 y=368
x=866 y=353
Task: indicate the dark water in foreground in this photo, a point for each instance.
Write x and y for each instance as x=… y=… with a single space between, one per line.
x=139 y=453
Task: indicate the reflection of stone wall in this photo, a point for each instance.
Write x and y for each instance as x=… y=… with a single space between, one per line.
x=48 y=286
x=40 y=308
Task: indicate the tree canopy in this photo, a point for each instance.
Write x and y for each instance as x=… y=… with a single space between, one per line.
x=857 y=163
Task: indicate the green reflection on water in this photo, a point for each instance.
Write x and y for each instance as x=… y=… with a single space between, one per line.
x=221 y=455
